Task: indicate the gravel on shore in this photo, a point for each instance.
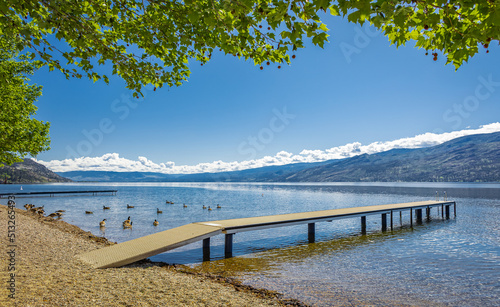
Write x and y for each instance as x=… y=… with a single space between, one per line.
x=47 y=273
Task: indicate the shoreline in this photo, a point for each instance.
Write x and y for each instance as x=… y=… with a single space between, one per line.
x=48 y=274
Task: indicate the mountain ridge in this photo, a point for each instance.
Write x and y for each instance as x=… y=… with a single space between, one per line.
x=29 y=171
x=473 y=158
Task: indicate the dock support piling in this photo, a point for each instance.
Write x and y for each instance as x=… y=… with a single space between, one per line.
x=363 y=225
x=384 y=221
x=228 y=249
x=206 y=249
x=447 y=209
x=391 y=221
x=418 y=213
x=455 y=209
x=400 y=218
x=411 y=217
x=442 y=211
x=311 y=232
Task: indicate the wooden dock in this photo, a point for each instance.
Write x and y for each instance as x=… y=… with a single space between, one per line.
x=54 y=193
x=147 y=246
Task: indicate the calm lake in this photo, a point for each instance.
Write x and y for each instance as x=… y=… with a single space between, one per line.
x=453 y=262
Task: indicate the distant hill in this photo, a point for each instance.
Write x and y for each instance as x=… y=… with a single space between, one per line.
x=261 y=174
x=474 y=158
x=29 y=171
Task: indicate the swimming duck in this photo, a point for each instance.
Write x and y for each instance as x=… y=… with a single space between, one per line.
x=127 y=224
x=89 y=212
x=155 y=223
x=102 y=223
x=218 y=206
x=158 y=211
x=129 y=206
x=105 y=208
x=204 y=207
x=209 y=209
x=184 y=205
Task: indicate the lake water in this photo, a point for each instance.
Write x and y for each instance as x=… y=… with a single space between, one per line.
x=441 y=262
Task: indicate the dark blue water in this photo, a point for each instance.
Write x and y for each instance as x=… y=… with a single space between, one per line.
x=441 y=262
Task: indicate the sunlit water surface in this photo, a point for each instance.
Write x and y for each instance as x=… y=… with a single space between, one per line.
x=441 y=262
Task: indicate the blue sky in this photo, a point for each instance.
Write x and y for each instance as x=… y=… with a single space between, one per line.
x=231 y=111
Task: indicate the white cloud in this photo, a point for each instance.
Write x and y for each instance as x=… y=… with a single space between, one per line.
x=113 y=162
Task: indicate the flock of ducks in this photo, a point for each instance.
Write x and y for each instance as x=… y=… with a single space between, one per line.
x=126 y=224
x=41 y=211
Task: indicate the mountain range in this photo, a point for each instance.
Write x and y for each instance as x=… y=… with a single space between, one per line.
x=29 y=171
x=473 y=158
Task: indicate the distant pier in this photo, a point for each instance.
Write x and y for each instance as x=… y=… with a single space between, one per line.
x=54 y=193
x=147 y=246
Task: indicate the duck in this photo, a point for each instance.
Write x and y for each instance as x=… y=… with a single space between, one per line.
x=209 y=209
x=55 y=214
x=28 y=206
x=89 y=212
x=61 y=211
x=155 y=223
x=218 y=206
x=127 y=224
x=184 y=205
x=204 y=207
x=129 y=206
x=40 y=212
x=102 y=223
x=105 y=208
x=158 y=211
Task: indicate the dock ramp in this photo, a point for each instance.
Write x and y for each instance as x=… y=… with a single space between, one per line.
x=147 y=246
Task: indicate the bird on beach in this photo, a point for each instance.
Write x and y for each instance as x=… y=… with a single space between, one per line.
x=158 y=211
x=102 y=223
x=89 y=212
x=129 y=206
x=105 y=208
x=155 y=223
x=61 y=211
x=29 y=206
x=204 y=207
x=55 y=214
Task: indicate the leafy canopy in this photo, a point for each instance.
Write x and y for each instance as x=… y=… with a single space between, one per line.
x=152 y=42
x=20 y=134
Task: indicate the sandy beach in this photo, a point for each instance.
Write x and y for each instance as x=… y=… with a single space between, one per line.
x=42 y=257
